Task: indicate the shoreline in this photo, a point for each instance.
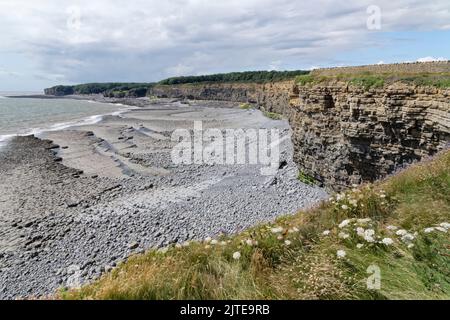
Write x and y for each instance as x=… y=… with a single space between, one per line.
x=88 y=120
x=86 y=198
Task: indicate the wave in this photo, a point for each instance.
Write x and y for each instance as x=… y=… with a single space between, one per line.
x=5 y=138
x=64 y=125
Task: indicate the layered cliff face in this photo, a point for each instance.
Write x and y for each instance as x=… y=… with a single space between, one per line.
x=344 y=134
x=236 y=92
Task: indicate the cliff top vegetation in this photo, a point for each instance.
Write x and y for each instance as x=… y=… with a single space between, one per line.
x=368 y=80
x=388 y=240
x=250 y=76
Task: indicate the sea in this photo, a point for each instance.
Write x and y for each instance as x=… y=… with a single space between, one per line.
x=25 y=116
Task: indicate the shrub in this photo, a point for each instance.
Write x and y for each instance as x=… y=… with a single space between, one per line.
x=368 y=82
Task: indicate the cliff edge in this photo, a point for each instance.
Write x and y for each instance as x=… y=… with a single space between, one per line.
x=349 y=130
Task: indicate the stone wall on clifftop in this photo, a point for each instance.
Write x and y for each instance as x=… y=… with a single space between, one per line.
x=344 y=134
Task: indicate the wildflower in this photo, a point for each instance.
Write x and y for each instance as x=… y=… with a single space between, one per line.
x=344 y=207
x=287 y=242
x=186 y=244
x=408 y=237
x=277 y=230
x=359 y=245
x=293 y=230
x=441 y=229
x=326 y=232
x=249 y=242
x=344 y=223
x=280 y=237
x=214 y=242
x=163 y=250
x=360 y=231
x=223 y=243
x=391 y=228
x=207 y=247
x=236 y=255
x=363 y=221
x=343 y=235
x=340 y=196
x=382 y=196
x=208 y=239
x=368 y=235
x=178 y=246
x=410 y=246
x=428 y=230
x=387 y=241
x=341 y=254
x=445 y=225
x=354 y=202
x=401 y=232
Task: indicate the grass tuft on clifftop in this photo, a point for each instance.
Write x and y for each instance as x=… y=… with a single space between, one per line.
x=399 y=227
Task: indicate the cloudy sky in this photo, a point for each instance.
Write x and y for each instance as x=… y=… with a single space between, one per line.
x=44 y=42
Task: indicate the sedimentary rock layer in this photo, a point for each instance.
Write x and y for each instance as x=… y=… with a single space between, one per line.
x=344 y=134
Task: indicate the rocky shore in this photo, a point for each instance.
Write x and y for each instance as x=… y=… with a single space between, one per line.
x=75 y=203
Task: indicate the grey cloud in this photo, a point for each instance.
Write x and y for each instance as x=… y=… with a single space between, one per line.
x=149 y=40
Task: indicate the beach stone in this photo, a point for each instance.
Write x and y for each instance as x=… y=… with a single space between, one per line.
x=97 y=221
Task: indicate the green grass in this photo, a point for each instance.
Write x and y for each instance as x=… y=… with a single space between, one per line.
x=291 y=258
x=369 y=81
x=439 y=81
x=305 y=178
x=273 y=115
x=245 y=106
x=305 y=79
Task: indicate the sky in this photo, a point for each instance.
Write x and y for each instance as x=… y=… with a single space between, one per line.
x=44 y=43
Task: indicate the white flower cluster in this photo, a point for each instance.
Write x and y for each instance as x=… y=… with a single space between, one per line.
x=345 y=223
x=277 y=230
x=362 y=229
x=352 y=199
x=341 y=254
x=347 y=201
x=369 y=235
x=250 y=242
x=443 y=227
x=406 y=237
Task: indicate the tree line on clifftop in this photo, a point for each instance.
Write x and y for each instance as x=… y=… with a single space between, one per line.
x=113 y=89
x=121 y=90
x=249 y=76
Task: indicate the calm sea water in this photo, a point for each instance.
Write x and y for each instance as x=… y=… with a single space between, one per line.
x=21 y=116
